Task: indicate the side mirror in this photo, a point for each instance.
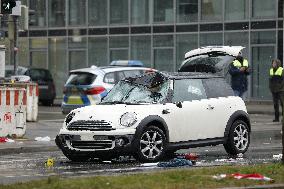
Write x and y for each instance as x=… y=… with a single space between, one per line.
x=179 y=104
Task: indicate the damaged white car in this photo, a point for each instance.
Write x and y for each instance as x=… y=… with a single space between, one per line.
x=152 y=116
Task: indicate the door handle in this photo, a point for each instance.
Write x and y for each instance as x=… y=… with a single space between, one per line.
x=166 y=111
x=210 y=107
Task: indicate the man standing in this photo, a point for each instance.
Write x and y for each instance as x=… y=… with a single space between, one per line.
x=239 y=70
x=276 y=86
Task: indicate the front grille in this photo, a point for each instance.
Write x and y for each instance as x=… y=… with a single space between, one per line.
x=104 y=144
x=97 y=125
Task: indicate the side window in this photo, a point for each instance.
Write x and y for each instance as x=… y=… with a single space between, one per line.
x=109 y=78
x=119 y=76
x=217 y=87
x=132 y=73
x=188 y=90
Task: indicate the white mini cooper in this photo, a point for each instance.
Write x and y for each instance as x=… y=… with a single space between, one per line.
x=152 y=116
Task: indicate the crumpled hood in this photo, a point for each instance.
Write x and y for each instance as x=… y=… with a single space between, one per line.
x=113 y=113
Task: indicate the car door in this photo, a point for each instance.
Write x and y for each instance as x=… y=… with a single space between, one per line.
x=188 y=121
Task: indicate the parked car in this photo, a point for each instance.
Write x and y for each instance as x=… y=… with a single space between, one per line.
x=154 y=115
x=88 y=86
x=42 y=77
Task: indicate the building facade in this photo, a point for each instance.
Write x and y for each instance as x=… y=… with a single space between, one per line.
x=69 y=34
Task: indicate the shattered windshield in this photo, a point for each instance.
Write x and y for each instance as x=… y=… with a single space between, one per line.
x=128 y=93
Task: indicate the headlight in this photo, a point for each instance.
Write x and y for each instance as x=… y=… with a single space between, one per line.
x=69 y=117
x=128 y=119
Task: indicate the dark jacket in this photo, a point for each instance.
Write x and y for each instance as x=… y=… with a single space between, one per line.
x=276 y=83
x=239 y=79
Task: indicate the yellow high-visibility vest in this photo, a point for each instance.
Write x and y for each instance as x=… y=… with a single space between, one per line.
x=278 y=72
x=237 y=64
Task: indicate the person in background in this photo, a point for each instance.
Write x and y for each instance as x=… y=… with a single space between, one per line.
x=239 y=70
x=276 y=86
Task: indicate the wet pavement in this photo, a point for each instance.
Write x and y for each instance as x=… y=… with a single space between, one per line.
x=265 y=142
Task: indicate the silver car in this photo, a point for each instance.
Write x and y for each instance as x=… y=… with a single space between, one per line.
x=88 y=86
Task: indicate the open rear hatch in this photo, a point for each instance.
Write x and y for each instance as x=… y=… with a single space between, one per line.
x=211 y=59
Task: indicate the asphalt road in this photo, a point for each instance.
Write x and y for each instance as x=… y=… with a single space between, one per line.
x=265 y=142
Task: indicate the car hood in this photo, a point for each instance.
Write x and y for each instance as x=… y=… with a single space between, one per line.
x=112 y=113
x=210 y=59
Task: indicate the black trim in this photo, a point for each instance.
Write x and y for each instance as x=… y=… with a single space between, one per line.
x=196 y=143
x=57 y=32
x=38 y=33
x=187 y=28
x=237 y=26
x=163 y=29
x=263 y=25
x=241 y=115
x=98 y=31
x=156 y=121
x=124 y=30
x=136 y=30
x=211 y=27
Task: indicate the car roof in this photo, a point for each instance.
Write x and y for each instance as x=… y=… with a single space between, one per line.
x=107 y=69
x=230 y=50
x=189 y=75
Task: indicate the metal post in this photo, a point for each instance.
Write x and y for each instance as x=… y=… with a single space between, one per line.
x=15 y=49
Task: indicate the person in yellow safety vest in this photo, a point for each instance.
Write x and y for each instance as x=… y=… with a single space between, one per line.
x=239 y=70
x=276 y=86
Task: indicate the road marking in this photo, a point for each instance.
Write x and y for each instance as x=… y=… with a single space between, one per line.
x=52 y=120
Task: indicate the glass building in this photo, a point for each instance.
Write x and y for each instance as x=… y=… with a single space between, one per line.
x=70 y=34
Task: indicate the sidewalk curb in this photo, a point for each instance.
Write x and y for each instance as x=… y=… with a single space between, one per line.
x=30 y=149
x=260 y=112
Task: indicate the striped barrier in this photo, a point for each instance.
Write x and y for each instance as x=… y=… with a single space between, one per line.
x=32 y=98
x=12 y=111
x=32 y=101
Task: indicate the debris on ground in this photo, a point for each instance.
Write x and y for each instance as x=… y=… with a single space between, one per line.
x=253 y=176
x=49 y=162
x=5 y=139
x=176 y=162
x=278 y=157
x=149 y=164
x=42 y=139
x=189 y=156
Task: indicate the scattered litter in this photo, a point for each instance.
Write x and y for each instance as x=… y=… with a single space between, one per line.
x=190 y=156
x=176 y=162
x=278 y=157
x=49 y=162
x=10 y=140
x=230 y=160
x=266 y=143
x=43 y=139
x=254 y=176
x=5 y=139
x=149 y=164
x=240 y=155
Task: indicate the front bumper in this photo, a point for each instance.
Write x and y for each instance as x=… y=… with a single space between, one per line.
x=96 y=143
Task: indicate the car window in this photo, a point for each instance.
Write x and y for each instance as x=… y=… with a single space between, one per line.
x=188 y=90
x=109 y=78
x=39 y=75
x=120 y=75
x=81 y=78
x=217 y=87
x=132 y=73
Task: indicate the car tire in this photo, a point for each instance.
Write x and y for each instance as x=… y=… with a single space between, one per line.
x=238 y=139
x=75 y=156
x=150 y=145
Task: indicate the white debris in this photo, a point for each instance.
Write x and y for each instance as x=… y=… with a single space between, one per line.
x=240 y=155
x=42 y=139
x=149 y=164
x=219 y=177
x=277 y=157
x=10 y=140
x=230 y=160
